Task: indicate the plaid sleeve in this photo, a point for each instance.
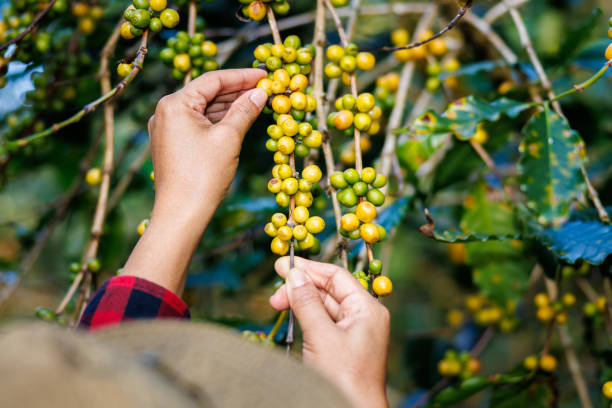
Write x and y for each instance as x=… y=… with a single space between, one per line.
x=123 y=298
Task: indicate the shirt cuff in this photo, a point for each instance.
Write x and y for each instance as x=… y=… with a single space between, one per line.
x=124 y=298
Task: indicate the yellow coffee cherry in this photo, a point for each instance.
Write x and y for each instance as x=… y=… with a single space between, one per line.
x=279 y=219
x=531 y=363
x=561 y=318
x=548 y=363
x=301 y=214
x=209 y=49
x=93 y=177
x=285 y=145
x=382 y=286
x=285 y=233
x=142 y=226
x=270 y=230
x=158 y=5
x=312 y=173
x=279 y=247
x=481 y=136
x=300 y=232
x=568 y=299
x=369 y=233
x=365 y=102
x=126 y=31
x=541 y=300
x=349 y=222
x=474 y=302
x=606 y=389
x=365 y=61
x=315 y=225
x=182 y=62
x=455 y=318
x=545 y=314
x=274 y=185
x=334 y=53
x=438 y=47
x=608 y=53
x=365 y=211
x=400 y=37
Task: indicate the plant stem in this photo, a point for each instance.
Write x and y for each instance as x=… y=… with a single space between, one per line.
x=499 y=10
x=584 y=85
x=29 y=28
x=462 y=12
x=277 y=325
x=90 y=107
x=319 y=44
x=273 y=25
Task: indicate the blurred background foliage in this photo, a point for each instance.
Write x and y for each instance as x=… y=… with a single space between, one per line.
x=231 y=275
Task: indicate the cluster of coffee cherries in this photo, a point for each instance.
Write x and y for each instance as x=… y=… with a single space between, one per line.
x=595 y=311
x=258 y=337
x=435 y=68
x=386 y=86
x=549 y=311
x=381 y=285
x=608 y=53
x=87 y=16
x=344 y=61
x=461 y=365
x=291 y=135
x=256 y=10
x=185 y=54
x=546 y=362
x=147 y=14
x=401 y=37
x=486 y=312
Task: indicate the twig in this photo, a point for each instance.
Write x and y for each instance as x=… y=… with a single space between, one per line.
x=90 y=107
x=584 y=85
x=601 y=210
x=341 y=33
x=273 y=25
x=462 y=12
x=499 y=10
x=485 y=29
x=319 y=44
x=29 y=28
x=191 y=25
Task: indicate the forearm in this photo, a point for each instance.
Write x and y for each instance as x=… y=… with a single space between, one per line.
x=164 y=252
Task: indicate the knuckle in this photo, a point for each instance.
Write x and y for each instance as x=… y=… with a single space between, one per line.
x=164 y=105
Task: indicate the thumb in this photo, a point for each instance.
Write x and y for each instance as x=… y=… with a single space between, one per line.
x=306 y=303
x=245 y=110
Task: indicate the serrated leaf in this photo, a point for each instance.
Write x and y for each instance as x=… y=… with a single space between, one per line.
x=500 y=268
x=462 y=117
x=590 y=241
x=551 y=156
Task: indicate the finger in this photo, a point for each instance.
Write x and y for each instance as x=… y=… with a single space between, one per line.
x=337 y=281
x=217 y=116
x=244 y=111
x=202 y=91
x=229 y=97
x=306 y=303
x=218 y=107
x=280 y=301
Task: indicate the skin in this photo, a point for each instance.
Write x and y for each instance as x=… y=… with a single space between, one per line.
x=196 y=135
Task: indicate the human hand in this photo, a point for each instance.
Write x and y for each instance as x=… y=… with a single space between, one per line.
x=345 y=330
x=196 y=136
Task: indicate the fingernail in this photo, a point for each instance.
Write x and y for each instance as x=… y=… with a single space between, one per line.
x=296 y=278
x=259 y=97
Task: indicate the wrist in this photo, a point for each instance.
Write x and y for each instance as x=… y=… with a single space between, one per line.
x=362 y=395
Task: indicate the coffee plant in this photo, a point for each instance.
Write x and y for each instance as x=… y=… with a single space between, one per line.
x=459 y=148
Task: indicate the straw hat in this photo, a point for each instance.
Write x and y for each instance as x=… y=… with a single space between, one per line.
x=152 y=364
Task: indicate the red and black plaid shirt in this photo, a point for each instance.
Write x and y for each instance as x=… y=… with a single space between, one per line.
x=128 y=298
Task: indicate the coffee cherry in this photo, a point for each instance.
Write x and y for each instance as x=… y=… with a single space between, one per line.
x=548 y=363
x=256 y=10
x=312 y=173
x=369 y=233
x=282 y=199
x=608 y=53
x=365 y=61
x=270 y=230
x=126 y=31
x=332 y=70
x=142 y=226
x=380 y=181
x=338 y=181
x=315 y=225
x=400 y=37
x=360 y=188
x=301 y=214
x=531 y=363
x=376 y=197
x=343 y=120
x=366 y=211
x=302 y=198
x=541 y=300
x=279 y=219
x=93 y=265
x=568 y=299
x=351 y=176
x=561 y=318
x=606 y=389
x=314 y=140
x=169 y=18
x=375 y=266
x=347 y=197
x=279 y=247
x=290 y=186
x=285 y=145
x=545 y=314
x=365 y=102
x=349 y=222
x=473 y=366
x=93 y=177
x=382 y=286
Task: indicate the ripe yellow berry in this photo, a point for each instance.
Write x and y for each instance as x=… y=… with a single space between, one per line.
x=257 y=10
x=182 y=62
x=365 y=61
x=364 y=283
x=158 y=5
x=334 y=53
x=281 y=104
x=382 y=286
x=474 y=302
x=298 y=83
x=126 y=31
x=548 y=363
x=400 y=37
x=209 y=49
x=365 y=102
x=142 y=226
x=403 y=55
x=568 y=299
x=303 y=198
x=545 y=314
x=438 y=47
x=285 y=233
x=366 y=211
x=279 y=219
x=608 y=53
x=530 y=363
x=473 y=365
x=279 y=247
x=481 y=136
x=285 y=145
x=601 y=303
x=561 y=318
x=270 y=230
x=301 y=214
x=541 y=300
x=315 y=225
x=349 y=222
x=606 y=389
x=312 y=173
x=369 y=233
x=300 y=232
x=124 y=70
x=455 y=318
x=93 y=177
x=343 y=119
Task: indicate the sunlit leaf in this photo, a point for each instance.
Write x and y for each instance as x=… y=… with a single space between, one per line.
x=551 y=156
x=590 y=241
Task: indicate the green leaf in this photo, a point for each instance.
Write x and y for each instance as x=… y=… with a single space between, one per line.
x=462 y=118
x=500 y=268
x=552 y=154
x=460 y=236
x=577 y=36
x=590 y=241
x=537 y=394
x=454 y=394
